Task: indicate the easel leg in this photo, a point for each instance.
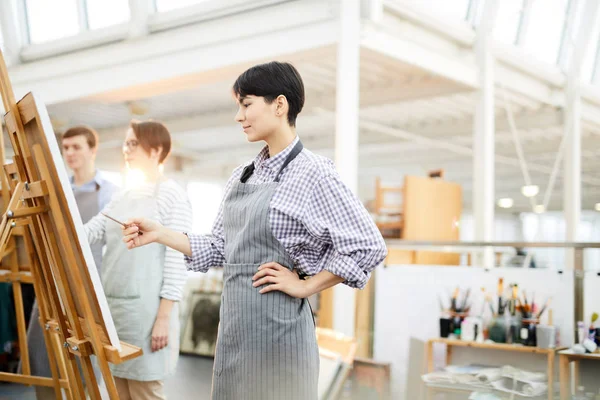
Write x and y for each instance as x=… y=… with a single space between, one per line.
x=40 y=289
x=90 y=378
x=20 y=314
x=70 y=367
x=52 y=360
x=111 y=388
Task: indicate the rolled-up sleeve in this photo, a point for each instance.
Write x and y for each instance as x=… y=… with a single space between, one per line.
x=208 y=251
x=354 y=245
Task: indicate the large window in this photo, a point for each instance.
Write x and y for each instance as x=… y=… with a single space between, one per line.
x=508 y=20
x=50 y=20
x=56 y=19
x=168 y=5
x=545 y=30
x=103 y=13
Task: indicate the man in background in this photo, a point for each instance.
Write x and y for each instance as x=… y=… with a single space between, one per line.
x=92 y=193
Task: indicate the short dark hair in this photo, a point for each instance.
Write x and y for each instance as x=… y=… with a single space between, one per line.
x=91 y=136
x=152 y=135
x=271 y=80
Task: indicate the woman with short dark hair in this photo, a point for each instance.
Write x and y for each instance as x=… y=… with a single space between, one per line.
x=143 y=286
x=286 y=215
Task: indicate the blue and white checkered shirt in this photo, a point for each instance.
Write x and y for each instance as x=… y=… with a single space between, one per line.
x=317 y=219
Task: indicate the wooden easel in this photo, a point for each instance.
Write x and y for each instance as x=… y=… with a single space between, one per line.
x=70 y=311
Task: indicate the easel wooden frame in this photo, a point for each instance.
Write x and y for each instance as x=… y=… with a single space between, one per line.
x=69 y=308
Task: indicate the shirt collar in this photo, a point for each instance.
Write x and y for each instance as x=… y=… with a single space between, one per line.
x=273 y=163
x=97 y=179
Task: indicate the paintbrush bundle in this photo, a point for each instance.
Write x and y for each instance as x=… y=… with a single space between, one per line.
x=459 y=304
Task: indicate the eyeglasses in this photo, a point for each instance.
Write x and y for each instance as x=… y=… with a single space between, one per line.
x=130 y=145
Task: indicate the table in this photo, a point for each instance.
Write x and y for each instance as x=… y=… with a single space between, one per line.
x=565 y=358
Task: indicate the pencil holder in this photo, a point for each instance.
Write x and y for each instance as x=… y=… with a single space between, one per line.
x=528 y=331
x=546 y=336
x=445 y=327
x=456 y=326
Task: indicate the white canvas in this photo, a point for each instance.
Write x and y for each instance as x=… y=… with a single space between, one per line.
x=85 y=247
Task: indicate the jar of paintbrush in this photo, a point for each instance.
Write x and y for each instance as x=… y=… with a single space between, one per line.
x=452 y=319
x=528 y=332
x=498 y=328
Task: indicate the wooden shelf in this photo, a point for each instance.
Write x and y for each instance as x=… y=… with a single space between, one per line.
x=494 y=346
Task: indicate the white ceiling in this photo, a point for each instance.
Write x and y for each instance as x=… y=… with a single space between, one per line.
x=411 y=122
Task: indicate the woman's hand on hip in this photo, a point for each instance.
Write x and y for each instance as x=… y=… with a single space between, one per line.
x=160 y=333
x=280 y=278
x=131 y=232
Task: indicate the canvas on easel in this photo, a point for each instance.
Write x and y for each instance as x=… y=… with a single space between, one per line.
x=73 y=308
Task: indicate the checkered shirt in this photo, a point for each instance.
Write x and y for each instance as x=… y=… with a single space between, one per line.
x=317 y=219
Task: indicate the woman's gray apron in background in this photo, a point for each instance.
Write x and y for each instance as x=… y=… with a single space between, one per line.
x=89 y=206
x=266 y=346
x=132 y=281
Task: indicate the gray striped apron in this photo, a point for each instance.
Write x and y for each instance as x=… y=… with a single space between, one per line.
x=266 y=348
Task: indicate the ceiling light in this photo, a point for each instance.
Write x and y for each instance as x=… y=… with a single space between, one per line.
x=530 y=190
x=597 y=206
x=539 y=208
x=506 y=202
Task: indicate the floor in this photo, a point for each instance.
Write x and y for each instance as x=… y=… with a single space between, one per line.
x=192 y=381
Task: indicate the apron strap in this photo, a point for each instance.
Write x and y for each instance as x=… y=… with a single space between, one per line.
x=295 y=151
x=249 y=169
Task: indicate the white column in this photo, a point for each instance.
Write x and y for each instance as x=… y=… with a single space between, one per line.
x=372 y=9
x=140 y=11
x=483 y=136
x=10 y=31
x=346 y=136
x=572 y=128
x=572 y=161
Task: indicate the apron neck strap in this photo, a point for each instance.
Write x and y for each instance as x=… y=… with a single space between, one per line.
x=295 y=151
x=249 y=169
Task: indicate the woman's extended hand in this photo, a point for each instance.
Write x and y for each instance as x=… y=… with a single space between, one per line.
x=132 y=238
x=281 y=279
